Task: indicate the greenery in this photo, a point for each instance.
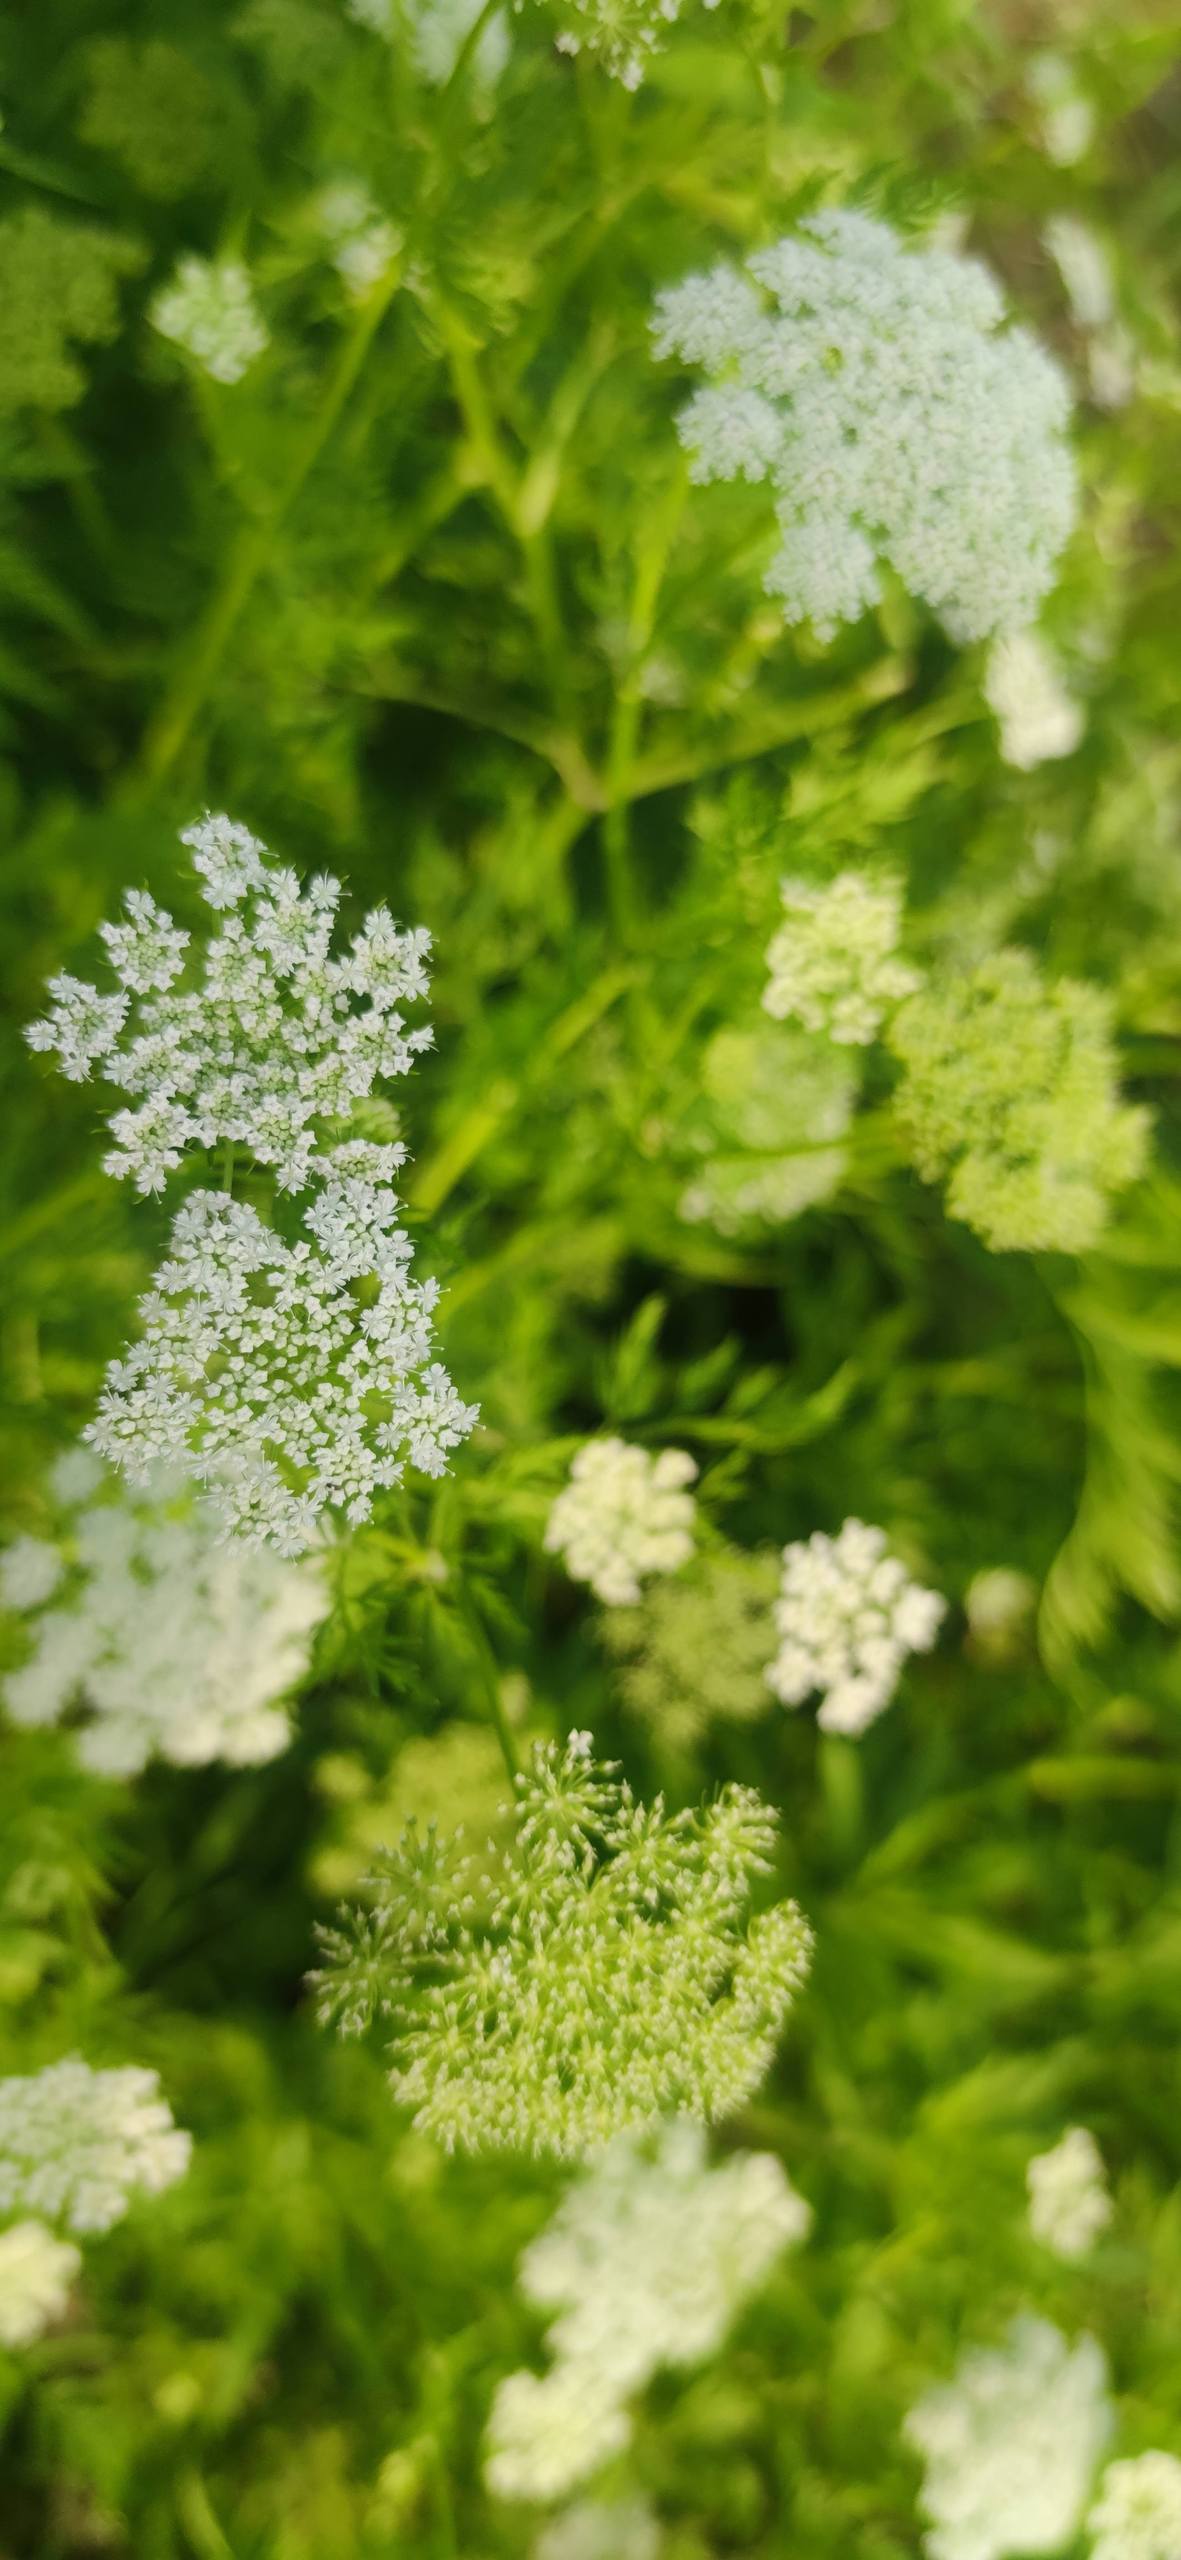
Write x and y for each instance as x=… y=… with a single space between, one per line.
x=426 y=598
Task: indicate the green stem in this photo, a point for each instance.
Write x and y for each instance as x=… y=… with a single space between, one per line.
x=173 y=722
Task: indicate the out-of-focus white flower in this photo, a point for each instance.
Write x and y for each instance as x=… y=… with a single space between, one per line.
x=1137 y=2515
x=546 y=2432
x=896 y=414
x=75 y=2144
x=364 y=245
x=209 y=309
x=1037 y=717
x=30 y=1569
x=601 y=2529
x=440 y=29
x=1068 y=2200
x=623 y=1514
x=1011 y=2445
x=1084 y=264
x=176 y=1643
x=1067 y=116
x=36 y=2273
x=999 y=1604
x=848 y=1615
x=832 y=962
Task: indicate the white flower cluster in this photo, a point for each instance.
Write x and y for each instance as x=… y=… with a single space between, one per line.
x=1011 y=2445
x=288 y=1377
x=848 y=1615
x=1069 y=2204
x=363 y=244
x=209 y=309
x=833 y=961
x=1037 y=718
x=1084 y=264
x=622 y=34
x=623 y=1514
x=895 y=415
x=175 y=1642
x=75 y=2144
x=647 y=2261
x=601 y=2529
x=36 y=2273
x=1137 y=2515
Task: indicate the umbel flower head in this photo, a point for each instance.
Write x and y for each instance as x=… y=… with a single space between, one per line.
x=76 y=2144
x=848 y=1615
x=289 y=1374
x=594 y=1975
x=36 y=2273
x=1010 y=1092
x=832 y=963
x=175 y=1643
x=1011 y=2445
x=1137 y=2515
x=1068 y=2200
x=647 y=2261
x=894 y=412
x=209 y=309
x=622 y=35
x=623 y=1514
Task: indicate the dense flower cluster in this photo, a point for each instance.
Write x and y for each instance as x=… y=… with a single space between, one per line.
x=1037 y=718
x=1012 y=2444
x=209 y=309
x=175 y=1643
x=1010 y=1091
x=594 y=1975
x=765 y=1130
x=895 y=416
x=1137 y=2515
x=623 y=1514
x=75 y=2144
x=696 y=1648
x=1068 y=2200
x=647 y=2262
x=601 y=2529
x=36 y=2273
x=833 y=961
x=848 y=1615
x=288 y=1377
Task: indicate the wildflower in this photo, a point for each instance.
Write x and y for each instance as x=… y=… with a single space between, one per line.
x=1038 y=719
x=833 y=964
x=269 y=1048
x=75 y=2143
x=695 y=1648
x=36 y=2273
x=364 y=245
x=896 y=416
x=546 y=2432
x=765 y=1129
x=652 y=2254
x=848 y=1615
x=999 y=1605
x=622 y=1515
x=30 y=1570
x=1068 y=2200
x=209 y=309
x=1067 y=115
x=601 y=2529
x=1010 y=1091
x=1011 y=2444
x=607 y=1980
x=1137 y=2515
x=1084 y=264
x=175 y=1643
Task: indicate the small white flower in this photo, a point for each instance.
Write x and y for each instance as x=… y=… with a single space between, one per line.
x=1011 y=2445
x=1068 y=2200
x=848 y=1615
x=75 y=2144
x=209 y=309
x=30 y=1569
x=601 y=2529
x=623 y=1514
x=364 y=245
x=896 y=415
x=36 y=2273
x=833 y=961
x=1067 y=116
x=547 y=2432
x=1137 y=2515
x=1037 y=717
